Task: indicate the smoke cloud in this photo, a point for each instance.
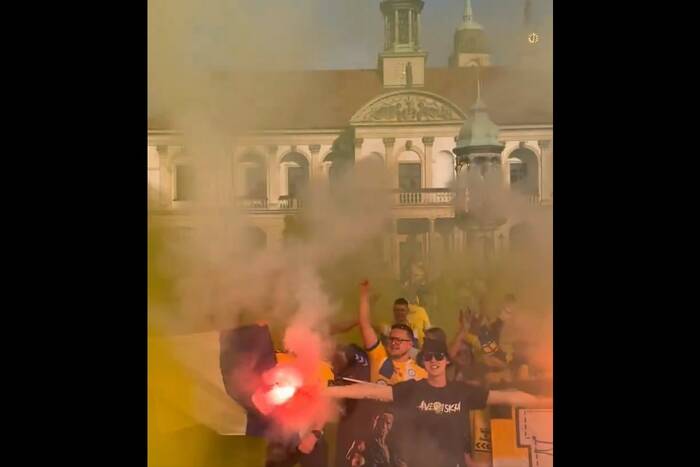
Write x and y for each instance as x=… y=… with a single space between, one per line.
x=210 y=277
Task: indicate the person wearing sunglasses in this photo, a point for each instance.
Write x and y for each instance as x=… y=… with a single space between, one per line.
x=436 y=410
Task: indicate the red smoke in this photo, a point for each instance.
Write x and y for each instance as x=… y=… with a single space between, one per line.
x=290 y=392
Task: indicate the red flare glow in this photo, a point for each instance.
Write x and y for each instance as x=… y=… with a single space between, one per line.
x=279 y=386
x=281 y=394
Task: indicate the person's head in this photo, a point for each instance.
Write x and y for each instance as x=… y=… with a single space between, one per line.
x=435 y=358
x=436 y=334
x=383 y=424
x=464 y=355
x=400 y=310
x=340 y=359
x=400 y=340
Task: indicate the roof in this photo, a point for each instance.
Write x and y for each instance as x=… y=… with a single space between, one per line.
x=327 y=99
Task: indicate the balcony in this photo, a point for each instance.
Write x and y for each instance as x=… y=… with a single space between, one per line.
x=536 y=200
x=289 y=202
x=250 y=202
x=262 y=204
x=424 y=197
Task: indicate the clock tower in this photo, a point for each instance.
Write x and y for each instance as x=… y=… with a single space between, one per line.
x=402 y=63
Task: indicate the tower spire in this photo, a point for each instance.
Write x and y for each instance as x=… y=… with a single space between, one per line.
x=470 y=42
x=468 y=17
x=478 y=103
x=468 y=13
x=478 y=83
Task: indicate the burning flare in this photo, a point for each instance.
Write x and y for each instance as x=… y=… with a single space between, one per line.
x=280 y=383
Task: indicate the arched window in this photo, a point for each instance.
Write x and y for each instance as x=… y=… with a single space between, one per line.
x=295 y=169
x=254 y=172
x=409 y=172
x=524 y=171
x=518 y=170
x=443 y=169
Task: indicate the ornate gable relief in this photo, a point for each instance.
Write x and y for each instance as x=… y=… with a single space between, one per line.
x=411 y=106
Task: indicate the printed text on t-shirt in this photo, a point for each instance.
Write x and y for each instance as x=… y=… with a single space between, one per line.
x=439 y=407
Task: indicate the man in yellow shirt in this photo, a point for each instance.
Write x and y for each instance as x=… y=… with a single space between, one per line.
x=392 y=364
x=415 y=316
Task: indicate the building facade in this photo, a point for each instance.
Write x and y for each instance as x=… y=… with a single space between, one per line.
x=402 y=115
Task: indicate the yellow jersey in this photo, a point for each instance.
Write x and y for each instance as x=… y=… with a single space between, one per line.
x=419 y=321
x=384 y=370
x=325 y=371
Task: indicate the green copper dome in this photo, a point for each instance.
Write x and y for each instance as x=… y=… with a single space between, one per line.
x=478 y=133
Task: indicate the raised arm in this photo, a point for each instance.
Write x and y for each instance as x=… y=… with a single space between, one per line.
x=518 y=399
x=378 y=392
x=461 y=333
x=369 y=337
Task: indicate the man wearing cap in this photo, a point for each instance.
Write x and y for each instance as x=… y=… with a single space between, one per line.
x=435 y=409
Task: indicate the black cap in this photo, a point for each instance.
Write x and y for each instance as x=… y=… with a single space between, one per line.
x=432 y=345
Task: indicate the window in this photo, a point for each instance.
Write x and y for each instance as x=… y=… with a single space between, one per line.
x=256 y=184
x=184 y=183
x=524 y=171
x=297 y=168
x=297 y=178
x=518 y=170
x=409 y=177
x=392 y=31
x=414 y=27
x=403 y=26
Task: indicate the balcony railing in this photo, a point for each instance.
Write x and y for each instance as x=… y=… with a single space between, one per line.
x=254 y=203
x=289 y=202
x=424 y=197
x=250 y=202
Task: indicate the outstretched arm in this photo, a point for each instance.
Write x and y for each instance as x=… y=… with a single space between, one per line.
x=369 y=337
x=517 y=399
x=339 y=328
x=378 y=392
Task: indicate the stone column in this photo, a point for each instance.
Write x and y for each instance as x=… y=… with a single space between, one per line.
x=315 y=169
x=283 y=181
x=417 y=29
x=273 y=175
x=505 y=165
x=396 y=28
x=428 y=142
x=391 y=165
x=387 y=33
x=546 y=182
